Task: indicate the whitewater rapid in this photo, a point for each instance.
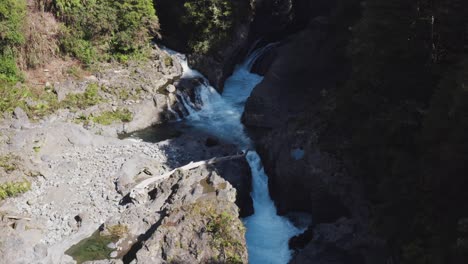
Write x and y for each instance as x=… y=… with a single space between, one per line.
x=267 y=233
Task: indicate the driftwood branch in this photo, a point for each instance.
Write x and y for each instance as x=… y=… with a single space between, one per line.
x=140 y=188
x=15 y=217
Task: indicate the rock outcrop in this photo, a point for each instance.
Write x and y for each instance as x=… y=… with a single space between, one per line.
x=197 y=221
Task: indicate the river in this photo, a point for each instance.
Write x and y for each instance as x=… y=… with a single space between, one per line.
x=267 y=233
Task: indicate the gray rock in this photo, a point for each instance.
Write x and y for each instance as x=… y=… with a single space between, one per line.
x=20 y=115
x=112 y=245
x=160 y=100
x=170 y=88
x=137 y=168
x=196 y=199
x=113 y=254
x=62 y=89
x=40 y=250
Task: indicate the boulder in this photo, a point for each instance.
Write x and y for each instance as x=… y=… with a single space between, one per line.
x=199 y=227
x=136 y=169
x=20 y=115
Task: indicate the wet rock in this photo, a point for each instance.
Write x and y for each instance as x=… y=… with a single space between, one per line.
x=341 y=242
x=211 y=141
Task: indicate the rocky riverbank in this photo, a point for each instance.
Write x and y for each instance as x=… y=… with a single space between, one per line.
x=80 y=175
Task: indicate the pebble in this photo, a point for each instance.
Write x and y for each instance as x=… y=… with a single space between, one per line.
x=112 y=245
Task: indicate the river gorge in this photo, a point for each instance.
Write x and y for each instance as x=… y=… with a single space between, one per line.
x=220 y=116
x=233 y=131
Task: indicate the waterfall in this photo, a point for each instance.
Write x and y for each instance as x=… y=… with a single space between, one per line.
x=267 y=233
x=174 y=113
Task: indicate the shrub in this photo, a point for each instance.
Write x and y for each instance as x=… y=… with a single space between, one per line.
x=8 y=70
x=213 y=22
x=10 y=189
x=7 y=162
x=110 y=117
x=103 y=29
x=81 y=101
x=12 y=14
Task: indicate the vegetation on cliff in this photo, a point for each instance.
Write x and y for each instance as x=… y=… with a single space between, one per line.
x=12 y=14
x=201 y=27
x=56 y=33
x=405 y=109
x=91 y=31
x=212 y=21
x=103 y=29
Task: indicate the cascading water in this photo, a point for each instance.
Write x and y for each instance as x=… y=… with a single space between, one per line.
x=267 y=233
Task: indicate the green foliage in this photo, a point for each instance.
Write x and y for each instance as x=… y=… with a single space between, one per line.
x=12 y=15
x=8 y=69
x=168 y=61
x=92 y=248
x=12 y=96
x=409 y=157
x=109 y=117
x=8 y=162
x=104 y=29
x=76 y=72
x=11 y=189
x=45 y=102
x=74 y=45
x=414 y=253
x=212 y=20
x=81 y=101
x=222 y=226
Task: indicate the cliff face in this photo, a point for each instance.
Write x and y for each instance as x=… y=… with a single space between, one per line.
x=361 y=116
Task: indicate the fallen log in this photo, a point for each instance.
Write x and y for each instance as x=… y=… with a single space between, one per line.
x=15 y=217
x=140 y=188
